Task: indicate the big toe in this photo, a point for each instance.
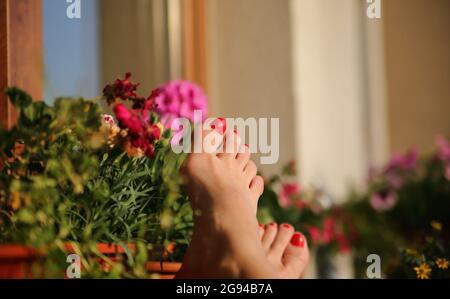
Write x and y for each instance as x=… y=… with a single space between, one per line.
x=295 y=257
x=257 y=186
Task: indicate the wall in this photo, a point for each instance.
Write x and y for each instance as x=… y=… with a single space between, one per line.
x=250 y=65
x=134 y=39
x=331 y=103
x=417 y=43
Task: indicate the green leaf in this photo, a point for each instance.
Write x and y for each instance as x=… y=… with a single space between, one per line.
x=18 y=97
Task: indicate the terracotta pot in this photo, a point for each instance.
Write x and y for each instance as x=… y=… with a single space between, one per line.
x=17 y=262
x=166 y=270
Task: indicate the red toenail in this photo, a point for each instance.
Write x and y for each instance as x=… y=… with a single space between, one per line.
x=272 y=224
x=261 y=225
x=286 y=225
x=219 y=125
x=298 y=240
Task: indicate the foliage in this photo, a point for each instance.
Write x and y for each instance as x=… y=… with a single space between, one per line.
x=395 y=210
x=63 y=180
x=391 y=213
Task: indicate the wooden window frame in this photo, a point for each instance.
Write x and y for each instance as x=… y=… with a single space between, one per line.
x=21 y=59
x=195 y=41
x=21 y=54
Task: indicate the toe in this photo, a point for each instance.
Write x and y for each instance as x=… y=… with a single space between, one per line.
x=262 y=229
x=269 y=235
x=257 y=186
x=284 y=235
x=250 y=171
x=208 y=140
x=243 y=156
x=295 y=257
x=231 y=146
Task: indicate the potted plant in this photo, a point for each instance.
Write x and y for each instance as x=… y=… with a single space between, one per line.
x=73 y=180
x=399 y=212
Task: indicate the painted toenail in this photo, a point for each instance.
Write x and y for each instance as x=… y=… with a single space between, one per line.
x=219 y=125
x=261 y=225
x=287 y=225
x=272 y=224
x=298 y=240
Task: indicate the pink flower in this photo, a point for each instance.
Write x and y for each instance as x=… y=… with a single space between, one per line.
x=180 y=99
x=443 y=149
x=406 y=162
x=395 y=180
x=383 y=200
x=398 y=165
x=444 y=154
x=314 y=232
x=286 y=193
x=108 y=120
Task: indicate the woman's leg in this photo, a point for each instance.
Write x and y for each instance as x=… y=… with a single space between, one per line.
x=224 y=190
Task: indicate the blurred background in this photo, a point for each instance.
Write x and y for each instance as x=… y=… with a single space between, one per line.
x=349 y=90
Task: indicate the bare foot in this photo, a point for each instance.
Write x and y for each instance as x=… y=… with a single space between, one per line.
x=224 y=190
x=286 y=250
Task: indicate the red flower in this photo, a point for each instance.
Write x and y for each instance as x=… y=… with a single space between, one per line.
x=141 y=135
x=328 y=230
x=123 y=89
x=286 y=194
x=127 y=120
x=344 y=245
x=314 y=232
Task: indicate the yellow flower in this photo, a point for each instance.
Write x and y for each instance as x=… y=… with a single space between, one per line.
x=436 y=225
x=15 y=200
x=160 y=126
x=423 y=271
x=442 y=263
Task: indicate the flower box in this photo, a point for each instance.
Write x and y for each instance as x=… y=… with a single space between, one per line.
x=21 y=262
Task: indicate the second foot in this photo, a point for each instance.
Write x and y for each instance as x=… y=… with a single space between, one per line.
x=286 y=250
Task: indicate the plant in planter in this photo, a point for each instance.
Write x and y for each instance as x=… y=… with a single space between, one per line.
x=430 y=260
x=72 y=180
x=394 y=212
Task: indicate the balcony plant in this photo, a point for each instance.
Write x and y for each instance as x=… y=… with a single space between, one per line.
x=73 y=180
x=400 y=209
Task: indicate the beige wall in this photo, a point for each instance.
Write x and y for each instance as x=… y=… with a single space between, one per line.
x=330 y=93
x=417 y=43
x=250 y=64
x=134 y=38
